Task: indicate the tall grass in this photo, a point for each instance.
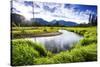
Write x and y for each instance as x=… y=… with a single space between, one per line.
x=85 y=50
x=24 y=52
x=80 y=54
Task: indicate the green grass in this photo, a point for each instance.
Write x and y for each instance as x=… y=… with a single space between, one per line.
x=80 y=54
x=83 y=51
x=24 y=52
x=18 y=32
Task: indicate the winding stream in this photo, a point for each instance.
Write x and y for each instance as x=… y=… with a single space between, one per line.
x=58 y=43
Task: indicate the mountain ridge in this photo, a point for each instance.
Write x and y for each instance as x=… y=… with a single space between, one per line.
x=19 y=19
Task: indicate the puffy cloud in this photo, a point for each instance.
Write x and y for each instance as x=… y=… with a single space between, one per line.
x=23 y=8
x=59 y=11
x=50 y=11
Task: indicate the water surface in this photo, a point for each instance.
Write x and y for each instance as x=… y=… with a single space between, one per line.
x=58 y=43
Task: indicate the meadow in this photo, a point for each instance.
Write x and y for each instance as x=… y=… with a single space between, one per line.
x=25 y=52
x=23 y=32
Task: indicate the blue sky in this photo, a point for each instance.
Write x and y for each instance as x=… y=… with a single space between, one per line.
x=54 y=11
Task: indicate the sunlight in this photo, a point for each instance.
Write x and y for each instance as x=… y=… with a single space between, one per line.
x=26 y=11
x=27 y=16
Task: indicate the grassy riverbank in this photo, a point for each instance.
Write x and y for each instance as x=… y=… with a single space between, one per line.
x=24 y=32
x=30 y=53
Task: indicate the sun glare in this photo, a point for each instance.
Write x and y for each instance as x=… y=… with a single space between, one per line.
x=27 y=16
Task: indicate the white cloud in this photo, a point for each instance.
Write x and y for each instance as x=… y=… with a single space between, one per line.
x=26 y=11
x=68 y=14
x=52 y=11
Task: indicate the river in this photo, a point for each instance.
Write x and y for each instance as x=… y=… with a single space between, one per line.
x=60 y=42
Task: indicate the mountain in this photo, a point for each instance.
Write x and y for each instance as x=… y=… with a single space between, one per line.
x=63 y=23
x=66 y=23
x=39 y=21
x=53 y=21
x=17 y=19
